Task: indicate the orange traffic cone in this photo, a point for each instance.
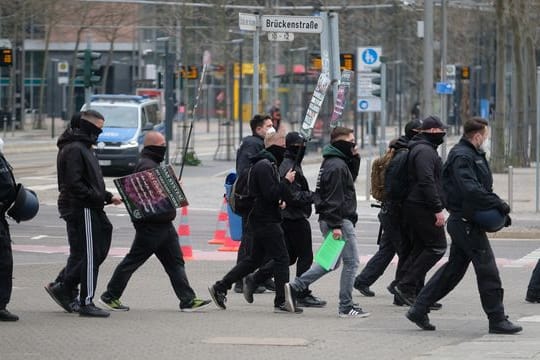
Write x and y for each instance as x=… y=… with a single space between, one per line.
x=184 y=235
x=222 y=224
x=229 y=244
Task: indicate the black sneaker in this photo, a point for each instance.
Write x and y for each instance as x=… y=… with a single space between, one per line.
x=284 y=309
x=364 y=290
x=353 y=312
x=420 y=318
x=195 y=305
x=407 y=299
x=249 y=288
x=75 y=306
x=309 y=300
x=92 y=310
x=238 y=287
x=532 y=298
x=112 y=303
x=391 y=289
x=270 y=285
x=219 y=298
x=5 y=315
x=435 y=306
x=505 y=327
x=59 y=295
x=398 y=302
x=290 y=298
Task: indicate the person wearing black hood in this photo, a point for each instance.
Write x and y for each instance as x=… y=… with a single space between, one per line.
x=393 y=237
x=295 y=216
x=423 y=208
x=154 y=235
x=264 y=222
x=80 y=203
x=336 y=206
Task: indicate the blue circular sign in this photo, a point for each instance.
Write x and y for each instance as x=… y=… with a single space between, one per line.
x=363 y=104
x=369 y=56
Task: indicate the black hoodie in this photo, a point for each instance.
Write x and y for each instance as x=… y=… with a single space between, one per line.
x=80 y=181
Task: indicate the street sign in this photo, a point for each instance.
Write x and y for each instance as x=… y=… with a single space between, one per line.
x=444 y=88
x=285 y=23
x=63 y=80
x=369 y=104
x=368 y=58
x=247 y=22
x=62 y=67
x=280 y=36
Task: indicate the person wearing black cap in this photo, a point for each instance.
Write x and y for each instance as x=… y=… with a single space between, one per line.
x=467 y=177
x=393 y=237
x=423 y=208
x=295 y=224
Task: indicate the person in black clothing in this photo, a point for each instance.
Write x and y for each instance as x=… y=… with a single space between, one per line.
x=8 y=193
x=533 y=289
x=423 y=208
x=467 y=177
x=393 y=237
x=295 y=224
x=264 y=223
x=81 y=202
x=154 y=234
x=251 y=145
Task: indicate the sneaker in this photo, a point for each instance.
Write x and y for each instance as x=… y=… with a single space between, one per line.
x=310 y=301
x=112 y=303
x=92 y=310
x=420 y=318
x=219 y=298
x=364 y=290
x=284 y=309
x=59 y=295
x=398 y=302
x=195 y=305
x=290 y=298
x=407 y=299
x=532 y=298
x=75 y=306
x=249 y=288
x=260 y=289
x=238 y=287
x=391 y=289
x=5 y=315
x=435 y=306
x=270 y=285
x=505 y=327
x=353 y=312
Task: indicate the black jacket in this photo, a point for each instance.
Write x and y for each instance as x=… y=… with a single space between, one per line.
x=467 y=179
x=250 y=147
x=267 y=188
x=147 y=161
x=8 y=187
x=299 y=203
x=80 y=181
x=425 y=169
x=335 y=189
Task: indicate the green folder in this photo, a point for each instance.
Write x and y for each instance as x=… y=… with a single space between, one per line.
x=328 y=254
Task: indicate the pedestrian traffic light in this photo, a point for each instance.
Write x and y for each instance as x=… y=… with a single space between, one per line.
x=6 y=57
x=88 y=71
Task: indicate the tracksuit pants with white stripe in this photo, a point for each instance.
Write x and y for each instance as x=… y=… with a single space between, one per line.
x=93 y=233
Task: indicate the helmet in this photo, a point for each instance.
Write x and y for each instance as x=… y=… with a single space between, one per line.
x=490 y=220
x=25 y=206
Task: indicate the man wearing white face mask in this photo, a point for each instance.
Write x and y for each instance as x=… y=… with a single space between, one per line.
x=468 y=181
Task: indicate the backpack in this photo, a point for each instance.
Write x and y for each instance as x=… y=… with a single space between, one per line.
x=378 y=171
x=240 y=199
x=396 y=184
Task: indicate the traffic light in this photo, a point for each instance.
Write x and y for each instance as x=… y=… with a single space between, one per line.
x=6 y=57
x=465 y=73
x=88 y=71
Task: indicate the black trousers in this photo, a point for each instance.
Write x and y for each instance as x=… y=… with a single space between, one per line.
x=150 y=239
x=469 y=244
x=534 y=283
x=93 y=232
x=76 y=251
x=428 y=246
x=268 y=242
x=6 y=264
x=299 y=243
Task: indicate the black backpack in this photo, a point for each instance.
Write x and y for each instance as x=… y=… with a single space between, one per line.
x=396 y=177
x=241 y=200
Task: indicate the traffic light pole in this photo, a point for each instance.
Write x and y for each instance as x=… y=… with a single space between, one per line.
x=384 y=113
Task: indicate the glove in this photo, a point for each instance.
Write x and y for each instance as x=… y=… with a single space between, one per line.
x=504 y=208
x=507 y=221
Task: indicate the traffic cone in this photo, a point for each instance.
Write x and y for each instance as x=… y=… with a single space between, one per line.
x=222 y=224
x=184 y=235
x=229 y=244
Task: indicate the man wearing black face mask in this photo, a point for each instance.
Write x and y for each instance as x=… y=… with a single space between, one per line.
x=295 y=224
x=154 y=235
x=423 y=209
x=81 y=202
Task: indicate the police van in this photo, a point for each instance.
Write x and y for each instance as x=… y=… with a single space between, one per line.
x=127 y=119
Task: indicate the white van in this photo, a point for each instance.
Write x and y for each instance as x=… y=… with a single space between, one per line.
x=127 y=119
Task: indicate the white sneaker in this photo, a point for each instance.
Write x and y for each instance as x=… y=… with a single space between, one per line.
x=353 y=312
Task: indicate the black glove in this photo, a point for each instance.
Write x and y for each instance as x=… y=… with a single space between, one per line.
x=504 y=208
x=507 y=221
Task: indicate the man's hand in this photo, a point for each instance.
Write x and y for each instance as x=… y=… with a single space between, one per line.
x=290 y=175
x=439 y=219
x=282 y=204
x=336 y=233
x=504 y=208
x=116 y=200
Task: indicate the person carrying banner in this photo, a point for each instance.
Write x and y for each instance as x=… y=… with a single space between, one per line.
x=154 y=235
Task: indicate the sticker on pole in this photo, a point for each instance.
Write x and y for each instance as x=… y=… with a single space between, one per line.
x=341 y=98
x=315 y=104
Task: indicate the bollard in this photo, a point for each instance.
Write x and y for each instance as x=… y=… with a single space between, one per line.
x=511 y=187
x=368 y=179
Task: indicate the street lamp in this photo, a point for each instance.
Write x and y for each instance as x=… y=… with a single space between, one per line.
x=303 y=49
x=168 y=93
